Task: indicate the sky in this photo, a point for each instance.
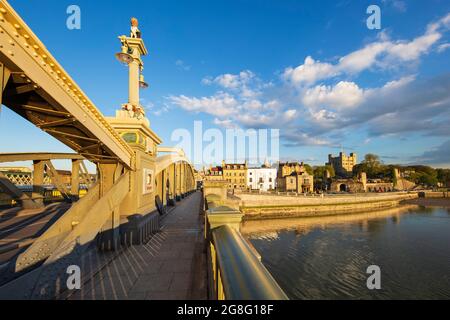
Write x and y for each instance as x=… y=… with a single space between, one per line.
x=312 y=69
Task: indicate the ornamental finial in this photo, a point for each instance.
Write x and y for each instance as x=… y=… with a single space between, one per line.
x=135 y=32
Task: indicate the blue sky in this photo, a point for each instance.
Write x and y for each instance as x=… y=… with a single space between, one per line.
x=310 y=68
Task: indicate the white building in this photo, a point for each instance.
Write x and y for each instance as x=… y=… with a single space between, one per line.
x=263 y=178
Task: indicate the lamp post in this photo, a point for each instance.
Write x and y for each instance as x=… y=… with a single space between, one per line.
x=133 y=48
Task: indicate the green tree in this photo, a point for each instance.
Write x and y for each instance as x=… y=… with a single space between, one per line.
x=331 y=171
x=372 y=165
x=320 y=171
x=308 y=169
x=443 y=176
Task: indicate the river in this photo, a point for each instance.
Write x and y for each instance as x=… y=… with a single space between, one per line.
x=327 y=257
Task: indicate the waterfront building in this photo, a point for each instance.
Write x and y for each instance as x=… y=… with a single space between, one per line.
x=287 y=168
x=214 y=174
x=292 y=177
x=235 y=174
x=342 y=164
x=296 y=182
x=263 y=178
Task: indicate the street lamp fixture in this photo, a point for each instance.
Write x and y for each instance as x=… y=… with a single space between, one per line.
x=142 y=83
x=125 y=56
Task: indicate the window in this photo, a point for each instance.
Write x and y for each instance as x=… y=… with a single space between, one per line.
x=250 y=180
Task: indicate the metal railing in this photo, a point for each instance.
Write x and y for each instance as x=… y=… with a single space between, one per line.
x=236 y=273
x=49 y=194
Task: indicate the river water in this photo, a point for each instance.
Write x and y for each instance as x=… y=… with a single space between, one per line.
x=327 y=258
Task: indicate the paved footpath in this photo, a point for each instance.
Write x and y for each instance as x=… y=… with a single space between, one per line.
x=171 y=266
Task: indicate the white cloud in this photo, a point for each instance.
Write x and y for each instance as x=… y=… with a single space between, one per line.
x=222 y=104
x=343 y=95
x=182 y=65
x=290 y=114
x=231 y=81
x=310 y=72
x=227 y=123
x=443 y=47
x=409 y=51
x=399 y=5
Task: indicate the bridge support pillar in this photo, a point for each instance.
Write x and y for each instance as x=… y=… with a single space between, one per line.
x=75 y=180
x=178 y=179
x=38 y=182
x=109 y=238
x=164 y=187
x=183 y=179
x=172 y=185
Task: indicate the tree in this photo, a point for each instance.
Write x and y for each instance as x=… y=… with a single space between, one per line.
x=309 y=169
x=320 y=172
x=372 y=165
x=331 y=171
x=443 y=176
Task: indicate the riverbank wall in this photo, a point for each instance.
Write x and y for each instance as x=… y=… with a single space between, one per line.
x=259 y=206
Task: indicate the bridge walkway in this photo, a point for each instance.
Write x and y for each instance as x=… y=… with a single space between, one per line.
x=171 y=266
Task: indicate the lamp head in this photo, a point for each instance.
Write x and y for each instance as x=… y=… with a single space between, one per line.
x=124 y=56
x=142 y=83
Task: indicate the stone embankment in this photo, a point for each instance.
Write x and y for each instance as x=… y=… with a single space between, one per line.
x=261 y=206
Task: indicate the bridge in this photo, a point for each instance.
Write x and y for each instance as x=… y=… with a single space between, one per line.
x=142 y=194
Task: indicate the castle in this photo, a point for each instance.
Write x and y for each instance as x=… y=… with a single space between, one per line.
x=343 y=164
